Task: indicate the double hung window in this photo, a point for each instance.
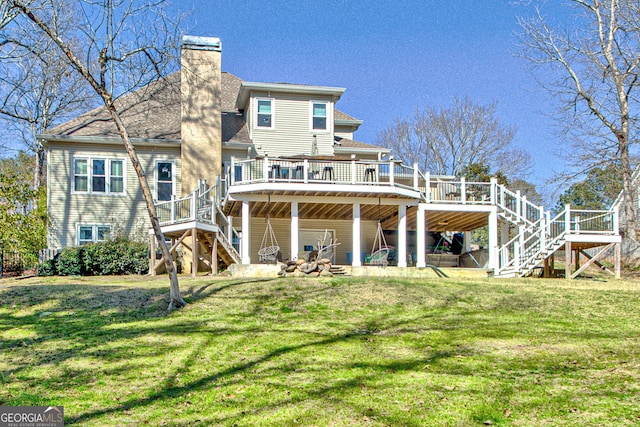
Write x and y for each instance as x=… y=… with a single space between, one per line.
x=98 y=175
x=319 y=116
x=264 y=113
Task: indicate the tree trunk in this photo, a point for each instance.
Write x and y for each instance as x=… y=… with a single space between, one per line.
x=627 y=195
x=100 y=89
x=39 y=176
x=176 y=300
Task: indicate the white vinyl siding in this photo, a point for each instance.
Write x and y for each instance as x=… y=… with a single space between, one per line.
x=291 y=133
x=126 y=212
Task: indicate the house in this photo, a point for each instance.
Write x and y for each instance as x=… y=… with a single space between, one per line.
x=237 y=166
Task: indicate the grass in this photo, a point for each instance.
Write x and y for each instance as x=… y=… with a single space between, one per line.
x=324 y=352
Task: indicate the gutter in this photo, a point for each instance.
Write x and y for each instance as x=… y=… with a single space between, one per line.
x=108 y=140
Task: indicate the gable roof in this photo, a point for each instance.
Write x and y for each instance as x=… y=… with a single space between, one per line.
x=154 y=113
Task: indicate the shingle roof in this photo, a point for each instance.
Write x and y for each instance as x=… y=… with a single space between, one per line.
x=154 y=112
x=339 y=115
x=150 y=112
x=350 y=143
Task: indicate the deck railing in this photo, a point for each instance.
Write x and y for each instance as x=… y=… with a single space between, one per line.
x=197 y=205
x=388 y=173
x=517 y=205
x=537 y=240
x=433 y=188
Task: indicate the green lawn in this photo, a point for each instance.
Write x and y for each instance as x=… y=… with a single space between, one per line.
x=324 y=352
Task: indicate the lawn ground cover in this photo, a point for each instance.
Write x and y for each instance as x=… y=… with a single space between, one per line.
x=324 y=352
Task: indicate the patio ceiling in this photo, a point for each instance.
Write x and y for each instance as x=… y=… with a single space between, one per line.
x=370 y=210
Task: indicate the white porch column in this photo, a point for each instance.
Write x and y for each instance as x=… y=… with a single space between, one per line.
x=421 y=244
x=402 y=236
x=295 y=221
x=356 y=233
x=246 y=233
x=493 y=239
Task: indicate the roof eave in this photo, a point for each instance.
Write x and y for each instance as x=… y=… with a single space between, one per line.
x=247 y=87
x=338 y=148
x=356 y=123
x=108 y=140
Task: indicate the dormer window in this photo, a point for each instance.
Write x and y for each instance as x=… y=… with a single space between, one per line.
x=318 y=116
x=264 y=114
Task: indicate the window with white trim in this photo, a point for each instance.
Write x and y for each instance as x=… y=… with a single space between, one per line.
x=98 y=175
x=165 y=183
x=264 y=113
x=93 y=233
x=318 y=115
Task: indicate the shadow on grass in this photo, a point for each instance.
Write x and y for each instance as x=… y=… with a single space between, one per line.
x=82 y=317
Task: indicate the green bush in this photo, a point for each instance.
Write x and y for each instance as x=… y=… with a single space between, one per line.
x=116 y=256
x=112 y=257
x=47 y=268
x=69 y=261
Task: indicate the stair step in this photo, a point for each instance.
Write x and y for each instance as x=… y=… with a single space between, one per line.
x=338 y=270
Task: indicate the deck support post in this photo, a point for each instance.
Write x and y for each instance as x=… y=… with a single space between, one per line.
x=194 y=252
x=546 y=272
x=295 y=230
x=214 y=254
x=356 y=236
x=245 y=243
x=493 y=240
x=617 y=261
x=402 y=236
x=152 y=254
x=421 y=245
x=467 y=242
x=568 y=261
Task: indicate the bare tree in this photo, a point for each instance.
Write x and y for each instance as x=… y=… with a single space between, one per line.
x=445 y=141
x=7 y=13
x=123 y=45
x=38 y=88
x=594 y=77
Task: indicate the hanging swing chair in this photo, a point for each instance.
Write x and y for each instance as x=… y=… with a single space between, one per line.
x=269 y=248
x=268 y=252
x=380 y=250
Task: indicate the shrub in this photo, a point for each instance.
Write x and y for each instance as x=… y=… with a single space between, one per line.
x=116 y=256
x=69 y=261
x=112 y=257
x=47 y=268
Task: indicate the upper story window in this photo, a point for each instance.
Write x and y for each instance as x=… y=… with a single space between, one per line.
x=98 y=175
x=319 y=116
x=264 y=113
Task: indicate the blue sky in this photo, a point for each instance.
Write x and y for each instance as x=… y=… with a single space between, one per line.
x=392 y=56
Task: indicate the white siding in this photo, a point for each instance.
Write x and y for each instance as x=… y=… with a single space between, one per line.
x=292 y=133
x=343 y=132
x=127 y=213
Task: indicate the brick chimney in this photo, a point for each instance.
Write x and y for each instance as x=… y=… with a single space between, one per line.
x=201 y=128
